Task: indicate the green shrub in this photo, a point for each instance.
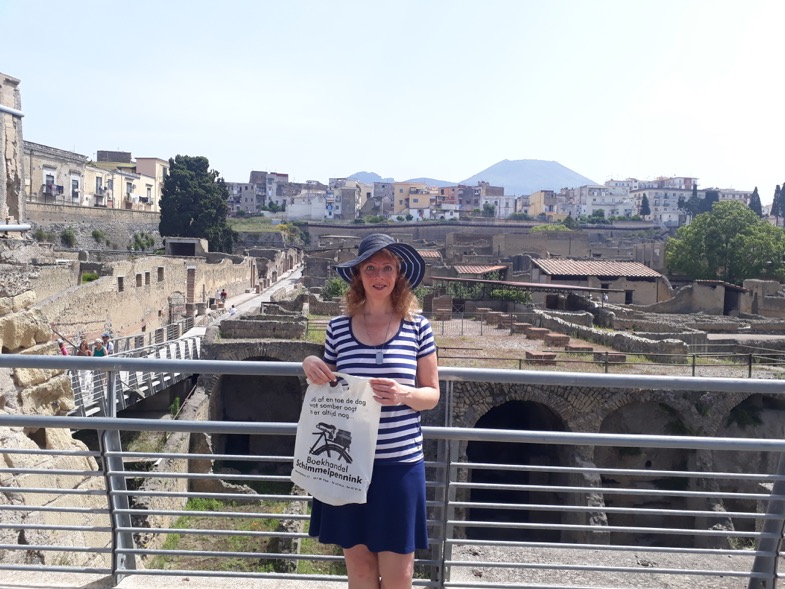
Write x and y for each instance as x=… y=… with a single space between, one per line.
x=141 y=241
x=68 y=237
x=98 y=235
x=89 y=277
x=41 y=235
x=334 y=288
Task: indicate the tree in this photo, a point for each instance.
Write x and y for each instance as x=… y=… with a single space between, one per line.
x=488 y=210
x=730 y=242
x=755 y=204
x=194 y=203
x=571 y=223
x=645 y=209
x=776 y=205
x=710 y=197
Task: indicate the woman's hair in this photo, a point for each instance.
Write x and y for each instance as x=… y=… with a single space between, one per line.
x=403 y=300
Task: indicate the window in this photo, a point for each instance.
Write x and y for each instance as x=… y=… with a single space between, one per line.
x=147 y=279
x=99 y=185
x=110 y=184
x=129 y=187
x=120 y=286
x=149 y=192
x=138 y=280
x=160 y=273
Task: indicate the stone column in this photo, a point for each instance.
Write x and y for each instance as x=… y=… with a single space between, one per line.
x=12 y=199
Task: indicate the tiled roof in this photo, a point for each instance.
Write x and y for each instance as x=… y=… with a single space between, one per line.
x=430 y=254
x=557 y=267
x=477 y=269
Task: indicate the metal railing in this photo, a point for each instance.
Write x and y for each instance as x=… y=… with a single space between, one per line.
x=507 y=508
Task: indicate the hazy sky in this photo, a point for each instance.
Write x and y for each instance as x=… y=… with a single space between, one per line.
x=410 y=88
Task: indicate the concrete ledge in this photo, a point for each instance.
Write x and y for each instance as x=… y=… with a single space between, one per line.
x=556 y=339
x=541 y=357
x=574 y=348
x=536 y=332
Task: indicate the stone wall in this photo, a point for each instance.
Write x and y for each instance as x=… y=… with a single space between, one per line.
x=117 y=226
x=264 y=326
x=143 y=303
x=12 y=202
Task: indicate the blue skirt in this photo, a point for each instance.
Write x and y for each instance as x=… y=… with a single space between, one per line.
x=394 y=519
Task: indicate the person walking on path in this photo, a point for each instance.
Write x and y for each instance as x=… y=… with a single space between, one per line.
x=382 y=339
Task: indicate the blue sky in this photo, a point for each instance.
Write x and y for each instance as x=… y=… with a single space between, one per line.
x=406 y=88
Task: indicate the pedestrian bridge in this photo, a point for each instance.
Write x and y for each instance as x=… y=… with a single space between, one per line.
x=91 y=387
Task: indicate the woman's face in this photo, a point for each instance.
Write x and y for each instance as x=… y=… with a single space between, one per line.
x=378 y=275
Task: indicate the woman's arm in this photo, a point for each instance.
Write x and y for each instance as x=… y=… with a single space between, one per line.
x=422 y=397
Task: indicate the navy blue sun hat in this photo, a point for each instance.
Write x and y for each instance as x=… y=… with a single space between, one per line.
x=412 y=264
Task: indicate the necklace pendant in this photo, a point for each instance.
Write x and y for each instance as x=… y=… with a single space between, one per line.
x=379 y=357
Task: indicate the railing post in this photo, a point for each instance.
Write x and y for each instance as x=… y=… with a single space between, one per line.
x=749 y=366
x=606 y=362
x=693 y=364
x=110 y=443
x=771 y=534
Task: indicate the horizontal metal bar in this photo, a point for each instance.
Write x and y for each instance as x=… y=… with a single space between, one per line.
x=25 y=547
x=213 y=532
x=53 y=527
x=217 y=514
x=93 y=492
x=214 y=553
x=604 y=547
x=615 y=491
x=55 y=509
x=605 y=509
x=36 y=568
x=594 y=528
x=603 y=569
x=116 y=363
x=229 y=496
x=765 y=478
x=436 y=433
x=14 y=113
x=199 y=476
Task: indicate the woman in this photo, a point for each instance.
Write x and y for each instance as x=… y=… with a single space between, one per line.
x=380 y=338
x=85 y=376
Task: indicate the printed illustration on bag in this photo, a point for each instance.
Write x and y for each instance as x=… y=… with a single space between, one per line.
x=336 y=440
x=331 y=439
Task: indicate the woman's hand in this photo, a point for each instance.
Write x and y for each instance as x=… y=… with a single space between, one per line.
x=387 y=391
x=317 y=370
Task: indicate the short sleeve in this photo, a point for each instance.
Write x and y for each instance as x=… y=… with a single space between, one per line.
x=425 y=342
x=330 y=355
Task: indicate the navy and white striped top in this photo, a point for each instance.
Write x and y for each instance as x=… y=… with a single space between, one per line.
x=400 y=435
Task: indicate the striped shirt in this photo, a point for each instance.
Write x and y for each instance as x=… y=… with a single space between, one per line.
x=400 y=435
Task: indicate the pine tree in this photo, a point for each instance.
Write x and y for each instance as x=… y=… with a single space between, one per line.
x=645 y=208
x=776 y=205
x=755 y=203
x=194 y=203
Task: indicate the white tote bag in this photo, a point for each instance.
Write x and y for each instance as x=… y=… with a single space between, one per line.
x=336 y=440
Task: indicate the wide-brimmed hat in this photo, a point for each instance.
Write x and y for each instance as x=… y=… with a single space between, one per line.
x=412 y=264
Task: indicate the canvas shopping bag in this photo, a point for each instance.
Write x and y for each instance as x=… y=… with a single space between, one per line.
x=336 y=440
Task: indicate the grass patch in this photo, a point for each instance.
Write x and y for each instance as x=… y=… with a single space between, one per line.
x=252 y=224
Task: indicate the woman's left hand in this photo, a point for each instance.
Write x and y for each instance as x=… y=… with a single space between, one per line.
x=387 y=391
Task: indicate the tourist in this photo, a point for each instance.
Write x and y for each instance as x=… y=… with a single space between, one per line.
x=61 y=345
x=108 y=345
x=98 y=348
x=379 y=537
x=223 y=295
x=233 y=311
x=85 y=376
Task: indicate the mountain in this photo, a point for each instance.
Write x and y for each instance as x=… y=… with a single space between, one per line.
x=517 y=176
x=527 y=176
x=368 y=177
x=432 y=182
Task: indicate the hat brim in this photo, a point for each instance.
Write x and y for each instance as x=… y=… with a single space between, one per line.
x=412 y=263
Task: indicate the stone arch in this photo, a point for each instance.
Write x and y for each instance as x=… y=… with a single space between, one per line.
x=258 y=398
x=646 y=418
x=517 y=415
x=755 y=416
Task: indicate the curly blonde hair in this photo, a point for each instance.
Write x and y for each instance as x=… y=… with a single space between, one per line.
x=404 y=301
